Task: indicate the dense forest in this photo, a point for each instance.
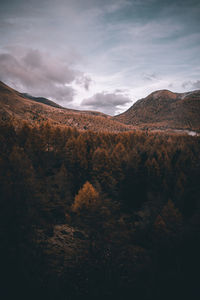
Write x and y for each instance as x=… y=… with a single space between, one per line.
x=88 y=215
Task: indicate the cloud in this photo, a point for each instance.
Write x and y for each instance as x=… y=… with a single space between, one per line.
x=106 y=102
x=84 y=81
x=150 y=76
x=196 y=84
x=121 y=91
x=40 y=74
x=193 y=85
x=137 y=45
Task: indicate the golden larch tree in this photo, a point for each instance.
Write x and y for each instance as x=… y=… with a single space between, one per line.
x=86 y=199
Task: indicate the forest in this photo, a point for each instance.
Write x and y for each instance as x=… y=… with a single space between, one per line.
x=125 y=208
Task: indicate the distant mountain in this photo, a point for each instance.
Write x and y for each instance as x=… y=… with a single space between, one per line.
x=164 y=110
x=20 y=106
x=161 y=110
x=41 y=100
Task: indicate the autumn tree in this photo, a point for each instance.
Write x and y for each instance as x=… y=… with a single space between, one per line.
x=76 y=160
x=86 y=199
x=171 y=216
x=167 y=226
x=118 y=159
x=102 y=170
x=47 y=132
x=7 y=137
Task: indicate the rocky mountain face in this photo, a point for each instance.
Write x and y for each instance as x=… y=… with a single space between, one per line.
x=164 y=110
x=23 y=107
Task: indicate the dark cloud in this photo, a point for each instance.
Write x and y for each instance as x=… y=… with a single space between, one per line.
x=186 y=84
x=196 y=84
x=139 y=45
x=106 y=102
x=170 y=85
x=121 y=91
x=33 y=59
x=150 y=76
x=40 y=74
x=84 y=81
x=192 y=85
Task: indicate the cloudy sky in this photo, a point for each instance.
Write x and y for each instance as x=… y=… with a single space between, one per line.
x=99 y=54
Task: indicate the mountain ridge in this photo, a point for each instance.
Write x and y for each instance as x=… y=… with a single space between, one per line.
x=19 y=107
x=161 y=110
x=164 y=109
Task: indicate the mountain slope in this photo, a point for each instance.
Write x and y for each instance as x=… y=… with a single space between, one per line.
x=41 y=100
x=24 y=107
x=164 y=110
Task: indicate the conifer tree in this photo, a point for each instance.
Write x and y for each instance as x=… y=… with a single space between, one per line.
x=86 y=199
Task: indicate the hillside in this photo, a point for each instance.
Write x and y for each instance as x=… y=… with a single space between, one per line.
x=164 y=110
x=20 y=107
x=161 y=110
x=41 y=100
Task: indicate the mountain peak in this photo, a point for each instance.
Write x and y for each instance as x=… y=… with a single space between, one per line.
x=164 y=109
x=163 y=94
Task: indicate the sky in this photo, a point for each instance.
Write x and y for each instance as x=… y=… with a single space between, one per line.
x=99 y=54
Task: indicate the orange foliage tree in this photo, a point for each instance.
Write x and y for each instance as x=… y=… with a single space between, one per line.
x=86 y=199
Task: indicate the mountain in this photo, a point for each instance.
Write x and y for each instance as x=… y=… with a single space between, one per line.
x=161 y=110
x=41 y=100
x=20 y=106
x=164 y=110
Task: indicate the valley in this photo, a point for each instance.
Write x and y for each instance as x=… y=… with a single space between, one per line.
x=93 y=208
